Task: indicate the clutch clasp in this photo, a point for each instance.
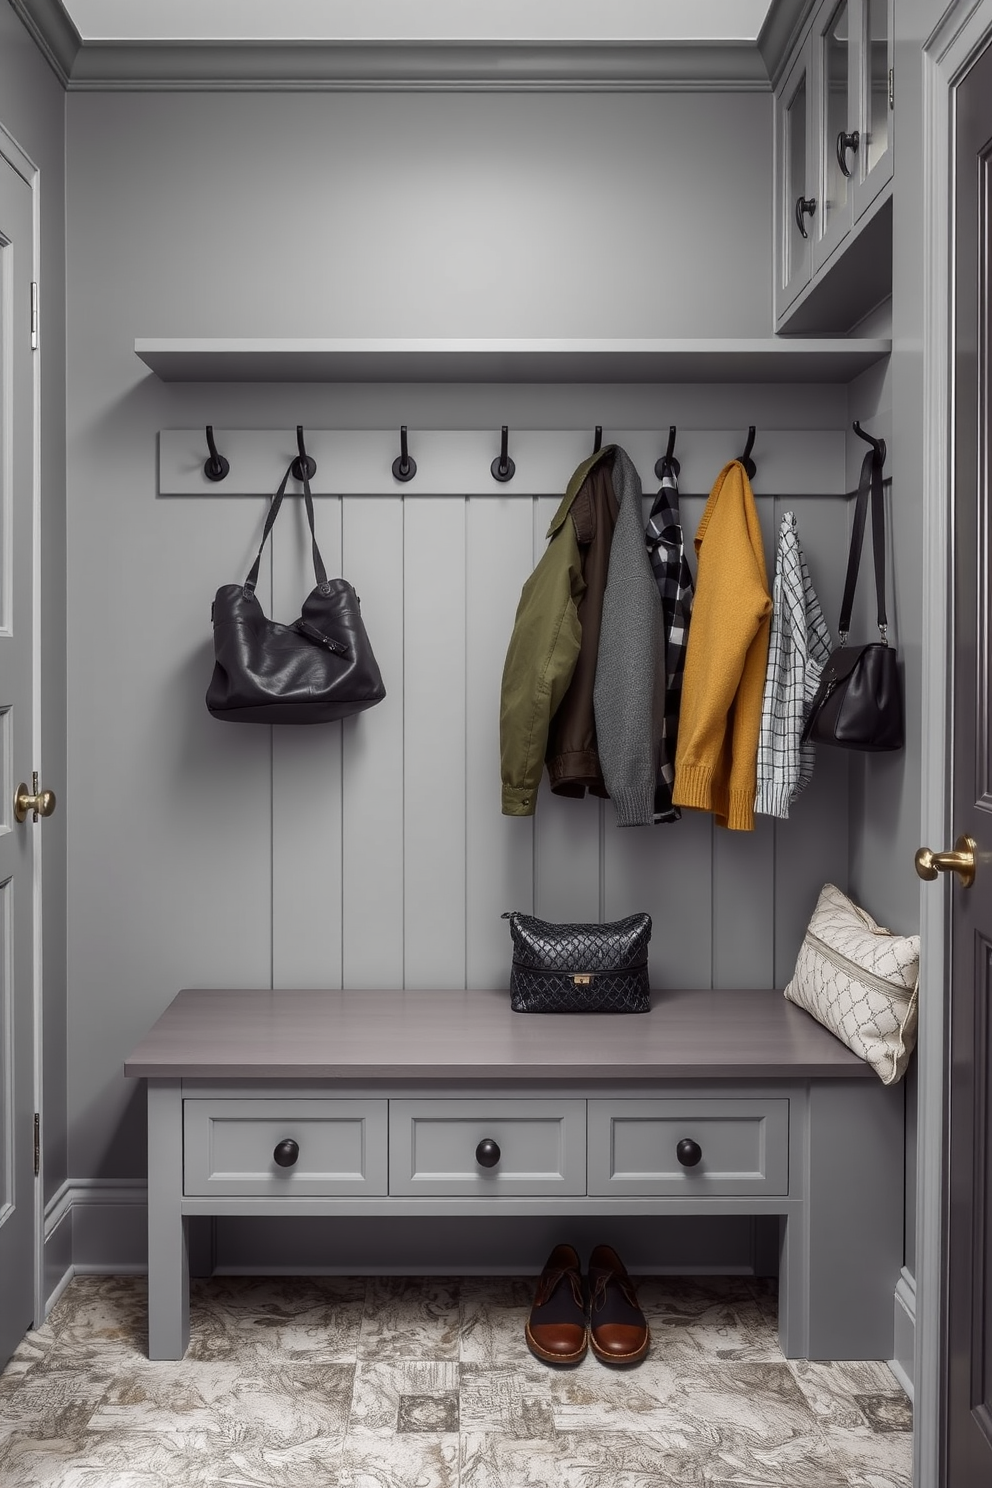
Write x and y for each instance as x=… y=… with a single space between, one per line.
x=585 y=980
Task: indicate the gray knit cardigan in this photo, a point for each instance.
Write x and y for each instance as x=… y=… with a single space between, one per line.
x=628 y=710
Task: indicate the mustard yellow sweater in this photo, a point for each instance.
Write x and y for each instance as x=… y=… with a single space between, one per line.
x=720 y=717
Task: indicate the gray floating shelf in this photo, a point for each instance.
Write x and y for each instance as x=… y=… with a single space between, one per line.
x=772 y=359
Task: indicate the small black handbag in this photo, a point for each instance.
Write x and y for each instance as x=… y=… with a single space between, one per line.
x=579 y=968
x=858 y=703
x=319 y=668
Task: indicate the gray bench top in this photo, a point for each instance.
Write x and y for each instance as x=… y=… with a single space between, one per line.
x=232 y=1033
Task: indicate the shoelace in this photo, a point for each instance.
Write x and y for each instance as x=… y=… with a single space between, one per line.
x=603 y=1280
x=549 y=1281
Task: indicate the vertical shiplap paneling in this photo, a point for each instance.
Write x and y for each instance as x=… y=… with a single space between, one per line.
x=567 y=832
x=811 y=847
x=434 y=738
x=666 y=871
x=372 y=744
x=499 y=857
x=306 y=781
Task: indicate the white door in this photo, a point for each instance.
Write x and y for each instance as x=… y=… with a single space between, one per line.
x=17 y=929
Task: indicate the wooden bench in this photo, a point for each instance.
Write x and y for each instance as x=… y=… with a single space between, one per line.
x=390 y=1103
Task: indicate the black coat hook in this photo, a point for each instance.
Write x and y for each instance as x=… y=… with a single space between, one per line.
x=745 y=458
x=668 y=460
x=303 y=461
x=597 y=443
x=216 y=467
x=503 y=468
x=404 y=466
x=878 y=445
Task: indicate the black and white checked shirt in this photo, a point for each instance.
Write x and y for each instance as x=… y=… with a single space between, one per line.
x=671 y=571
x=798 y=649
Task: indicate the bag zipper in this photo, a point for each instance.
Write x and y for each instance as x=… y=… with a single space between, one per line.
x=843 y=964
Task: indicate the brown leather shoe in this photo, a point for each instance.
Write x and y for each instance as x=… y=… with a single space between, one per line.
x=619 y=1332
x=557 y=1330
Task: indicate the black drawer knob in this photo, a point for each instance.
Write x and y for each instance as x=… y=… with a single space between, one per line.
x=487 y=1154
x=688 y=1152
x=286 y=1152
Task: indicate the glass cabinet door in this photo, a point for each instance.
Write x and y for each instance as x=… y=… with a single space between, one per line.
x=875 y=153
x=796 y=193
x=838 y=136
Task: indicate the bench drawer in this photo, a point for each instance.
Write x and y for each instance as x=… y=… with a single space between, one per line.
x=437 y=1147
x=742 y=1145
x=229 y=1147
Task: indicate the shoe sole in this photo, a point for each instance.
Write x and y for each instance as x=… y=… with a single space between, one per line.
x=547 y=1358
x=620 y=1360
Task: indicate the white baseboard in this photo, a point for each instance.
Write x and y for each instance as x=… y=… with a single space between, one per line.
x=904 y=1332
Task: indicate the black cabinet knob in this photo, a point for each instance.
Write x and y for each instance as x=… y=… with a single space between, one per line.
x=487 y=1154
x=688 y=1152
x=286 y=1152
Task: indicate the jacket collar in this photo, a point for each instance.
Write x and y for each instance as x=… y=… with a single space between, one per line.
x=575 y=485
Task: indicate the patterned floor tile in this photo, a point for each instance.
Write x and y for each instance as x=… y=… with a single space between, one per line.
x=869 y=1459
x=96 y=1460
x=385 y=1391
x=55 y=1398
x=513 y=1399
x=835 y=1390
x=493 y=1315
x=720 y=1316
x=428 y=1383
x=105 y=1312
x=284 y=1406
x=258 y=1318
x=400 y=1462
x=410 y=1318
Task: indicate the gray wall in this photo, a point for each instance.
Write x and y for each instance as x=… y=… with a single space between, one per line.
x=325 y=215
x=32 y=109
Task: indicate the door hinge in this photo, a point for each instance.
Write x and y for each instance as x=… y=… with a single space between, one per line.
x=34 y=315
x=37 y=1143
x=892 y=87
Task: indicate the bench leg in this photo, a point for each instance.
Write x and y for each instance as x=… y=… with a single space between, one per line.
x=168 y=1261
x=842 y=1254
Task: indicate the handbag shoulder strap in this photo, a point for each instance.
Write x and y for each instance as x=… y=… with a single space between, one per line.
x=320 y=572
x=870 y=484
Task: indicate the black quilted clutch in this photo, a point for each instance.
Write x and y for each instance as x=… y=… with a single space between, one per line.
x=580 y=968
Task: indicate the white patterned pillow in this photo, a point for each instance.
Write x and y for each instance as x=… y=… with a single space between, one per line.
x=861 y=982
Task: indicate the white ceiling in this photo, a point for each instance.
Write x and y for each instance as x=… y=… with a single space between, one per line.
x=588 y=21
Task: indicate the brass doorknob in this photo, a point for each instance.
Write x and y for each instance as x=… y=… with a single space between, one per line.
x=40 y=803
x=961 y=861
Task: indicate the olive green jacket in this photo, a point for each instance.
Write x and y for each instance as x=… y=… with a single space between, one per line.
x=545 y=646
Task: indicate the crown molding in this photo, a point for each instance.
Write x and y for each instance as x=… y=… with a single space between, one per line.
x=411 y=66
x=53 y=32
x=783 y=27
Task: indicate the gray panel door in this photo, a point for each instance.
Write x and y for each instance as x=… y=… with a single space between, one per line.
x=16 y=843
x=967 y=1412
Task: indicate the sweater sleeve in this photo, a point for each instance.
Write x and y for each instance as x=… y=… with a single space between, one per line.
x=539 y=664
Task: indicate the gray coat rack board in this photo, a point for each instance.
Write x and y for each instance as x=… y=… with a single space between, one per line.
x=791 y=463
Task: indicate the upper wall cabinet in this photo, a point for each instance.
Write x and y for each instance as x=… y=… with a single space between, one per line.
x=833 y=170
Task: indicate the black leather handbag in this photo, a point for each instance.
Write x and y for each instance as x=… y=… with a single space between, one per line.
x=579 y=968
x=858 y=703
x=319 y=668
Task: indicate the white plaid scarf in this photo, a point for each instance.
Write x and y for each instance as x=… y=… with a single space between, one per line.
x=798 y=649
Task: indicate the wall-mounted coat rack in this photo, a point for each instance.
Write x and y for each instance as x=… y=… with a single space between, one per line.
x=459 y=462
